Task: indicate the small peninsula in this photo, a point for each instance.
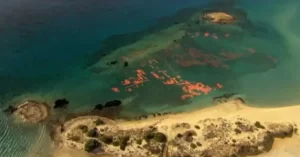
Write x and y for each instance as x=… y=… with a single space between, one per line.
x=228 y=129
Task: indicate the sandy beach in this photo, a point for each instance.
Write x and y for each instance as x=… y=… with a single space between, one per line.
x=171 y=125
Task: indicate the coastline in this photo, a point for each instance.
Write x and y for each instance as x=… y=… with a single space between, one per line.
x=229 y=111
x=278 y=23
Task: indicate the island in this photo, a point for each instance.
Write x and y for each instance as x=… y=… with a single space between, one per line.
x=229 y=129
x=219 y=17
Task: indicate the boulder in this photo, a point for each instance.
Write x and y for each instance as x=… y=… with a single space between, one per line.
x=265 y=141
x=281 y=130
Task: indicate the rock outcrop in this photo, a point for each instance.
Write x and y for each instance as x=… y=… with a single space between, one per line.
x=219 y=17
x=208 y=138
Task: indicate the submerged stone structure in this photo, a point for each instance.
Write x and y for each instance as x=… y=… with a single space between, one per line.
x=32 y=111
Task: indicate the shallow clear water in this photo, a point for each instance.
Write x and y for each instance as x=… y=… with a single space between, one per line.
x=47 y=53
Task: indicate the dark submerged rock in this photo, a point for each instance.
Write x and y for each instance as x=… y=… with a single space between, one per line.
x=240 y=100
x=113 y=103
x=10 y=109
x=223 y=98
x=61 y=103
x=98 y=107
x=125 y=64
x=113 y=62
x=226 y=96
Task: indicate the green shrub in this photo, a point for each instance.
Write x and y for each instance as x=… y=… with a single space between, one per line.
x=92 y=133
x=91 y=145
x=83 y=128
x=74 y=138
x=116 y=143
x=237 y=131
x=198 y=144
x=106 y=139
x=99 y=122
x=139 y=141
x=160 y=137
x=193 y=146
x=123 y=142
x=148 y=136
x=259 y=125
x=296 y=130
x=179 y=135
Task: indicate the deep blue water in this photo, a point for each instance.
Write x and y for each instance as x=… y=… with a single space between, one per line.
x=44 y=47
x=41 y=42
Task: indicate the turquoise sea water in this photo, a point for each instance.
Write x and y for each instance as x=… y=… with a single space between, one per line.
x=49 y=51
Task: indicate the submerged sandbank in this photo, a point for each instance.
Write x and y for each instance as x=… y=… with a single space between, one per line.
x=232 y=128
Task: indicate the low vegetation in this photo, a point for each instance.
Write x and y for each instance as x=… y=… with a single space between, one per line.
x=75 y=138
x=123 y=142
x=237 y=131
x=148 y=136
x=160 y=137
x=99 y=122
x=91 y=145
x=259 y=125
x=83 y=128
x=92 y=133
x=116 y=143
x=139 y=141
x=106 y=139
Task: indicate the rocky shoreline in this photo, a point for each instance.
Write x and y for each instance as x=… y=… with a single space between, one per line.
x=175 y=135
x=230 y=128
